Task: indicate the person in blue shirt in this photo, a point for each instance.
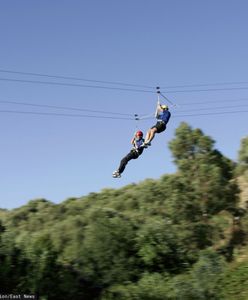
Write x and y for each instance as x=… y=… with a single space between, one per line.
x=137 y=142
x=163 y=116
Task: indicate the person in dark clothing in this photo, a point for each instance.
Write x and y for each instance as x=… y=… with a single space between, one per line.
x=163 y=116
x=137 y=142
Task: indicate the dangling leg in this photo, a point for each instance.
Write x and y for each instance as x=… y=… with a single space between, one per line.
x=124 y=162
x=150 y=135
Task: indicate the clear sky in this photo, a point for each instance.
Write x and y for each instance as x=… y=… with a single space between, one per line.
x=142 y=42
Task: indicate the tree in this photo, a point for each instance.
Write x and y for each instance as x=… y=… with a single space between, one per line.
x=151 y=286
x=243 y=157
x=206 y=175
x=207 y=274
x=108 y=253
x=160 y=247
x=202 y=281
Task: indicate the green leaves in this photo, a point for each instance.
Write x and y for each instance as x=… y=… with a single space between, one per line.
x=160 y=247
x=243 y=157
x=206 y=173
x=189 y=144
x=150 y=241
x=107 y=255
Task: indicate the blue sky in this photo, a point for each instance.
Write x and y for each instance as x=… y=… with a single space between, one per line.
x=165 y=43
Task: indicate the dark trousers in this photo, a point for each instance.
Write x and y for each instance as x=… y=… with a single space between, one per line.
x=131 y=155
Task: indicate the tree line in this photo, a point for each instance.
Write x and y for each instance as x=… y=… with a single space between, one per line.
x=178 y=237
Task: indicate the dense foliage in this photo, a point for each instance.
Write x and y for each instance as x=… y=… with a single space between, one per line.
x=243 y=157
x=180 y=237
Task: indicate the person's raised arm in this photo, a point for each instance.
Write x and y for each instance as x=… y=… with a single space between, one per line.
x=158 y=109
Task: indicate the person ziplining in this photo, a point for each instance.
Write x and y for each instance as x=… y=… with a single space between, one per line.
x=163 y=116
x=137 y=142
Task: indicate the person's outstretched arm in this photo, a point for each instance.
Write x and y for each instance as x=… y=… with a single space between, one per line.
x=158 y=109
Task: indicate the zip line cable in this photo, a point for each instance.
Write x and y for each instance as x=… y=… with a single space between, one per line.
x=64 y=107
x=167 y=99
x=63 y=115
x=158 y=102
x=75 y=85
x=217 y=107
x=118 y=83
x=75 y=78
x=143 y=117
x=208 y=90
x=115 y=118
x=136 y=116
x=203 y=84
x=119 y=88
x=211 y=114
x=213 y=101
x=208 y=114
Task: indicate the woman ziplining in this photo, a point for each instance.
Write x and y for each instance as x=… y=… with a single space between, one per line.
x=137 y=142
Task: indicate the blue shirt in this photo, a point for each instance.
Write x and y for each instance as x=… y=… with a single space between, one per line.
x=138 y=142
x=164 y=116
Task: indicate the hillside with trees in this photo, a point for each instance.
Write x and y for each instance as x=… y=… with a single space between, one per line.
x=183 y=236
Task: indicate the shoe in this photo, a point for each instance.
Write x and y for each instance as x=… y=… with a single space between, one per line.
x=116 y=174
x=148 y=143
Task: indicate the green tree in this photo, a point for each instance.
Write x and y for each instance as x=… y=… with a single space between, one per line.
x=160 y=247
x=235 y=280
x=207 y=274
x=108 y=253
x=183 y=288
x=202 y=281
x=151 y=286
x=243 y=157
x=206 y=174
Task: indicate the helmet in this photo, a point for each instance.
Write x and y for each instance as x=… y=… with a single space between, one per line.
x=164 y=107
x=139 y=133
